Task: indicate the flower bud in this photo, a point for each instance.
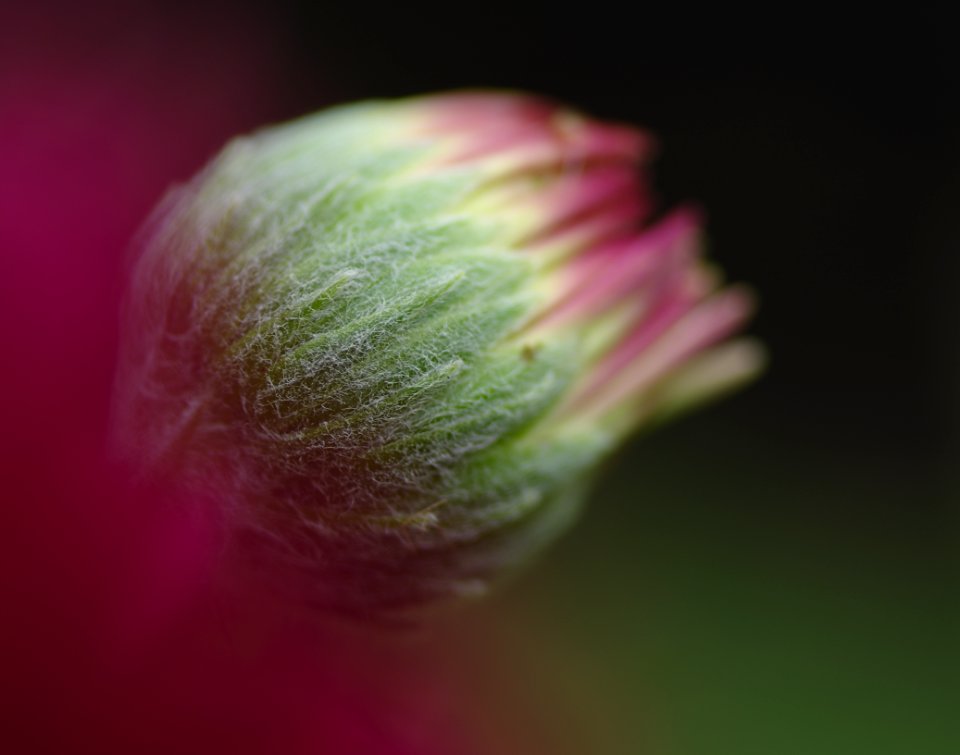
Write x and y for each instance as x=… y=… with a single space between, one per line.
x=393 y=340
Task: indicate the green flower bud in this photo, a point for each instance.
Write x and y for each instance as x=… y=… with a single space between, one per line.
x=393 y=340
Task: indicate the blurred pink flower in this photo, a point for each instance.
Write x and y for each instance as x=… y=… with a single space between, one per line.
x=118 y=634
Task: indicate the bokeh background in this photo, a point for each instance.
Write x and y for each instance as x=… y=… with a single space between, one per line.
x=776 y=575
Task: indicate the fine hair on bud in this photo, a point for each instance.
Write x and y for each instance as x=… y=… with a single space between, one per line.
x=391 y=342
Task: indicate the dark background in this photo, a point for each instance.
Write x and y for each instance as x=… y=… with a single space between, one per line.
x=824 y=147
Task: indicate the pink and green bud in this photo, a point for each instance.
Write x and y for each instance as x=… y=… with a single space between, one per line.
x=393 y=340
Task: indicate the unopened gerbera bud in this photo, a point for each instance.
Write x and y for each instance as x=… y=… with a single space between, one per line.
x=394 y=339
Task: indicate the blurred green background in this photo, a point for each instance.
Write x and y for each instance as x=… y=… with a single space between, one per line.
x=731 y=593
